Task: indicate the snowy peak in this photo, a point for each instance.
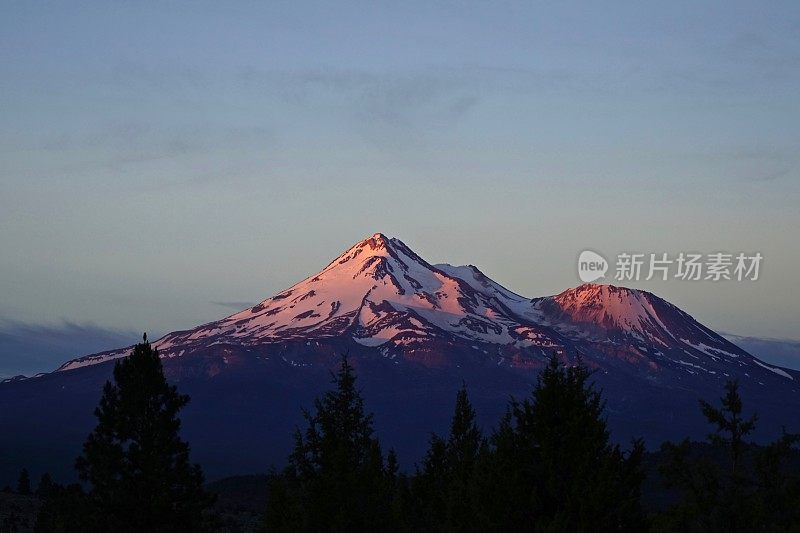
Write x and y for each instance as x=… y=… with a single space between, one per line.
x=380 y=291
x=375 y=258
x=375 y=269
x=634 y=319
x=618 y=312
x=610 y=307
x=376 y=246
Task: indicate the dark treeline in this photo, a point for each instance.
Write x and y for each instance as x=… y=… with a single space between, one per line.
x=135 y=468
x=548 y=465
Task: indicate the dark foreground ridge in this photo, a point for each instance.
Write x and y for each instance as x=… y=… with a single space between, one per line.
x=548 y=464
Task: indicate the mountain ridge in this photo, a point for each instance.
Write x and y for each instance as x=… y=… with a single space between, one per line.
x=380 y=293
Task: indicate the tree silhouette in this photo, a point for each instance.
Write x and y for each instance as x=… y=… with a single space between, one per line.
x=736 y=487
x=46 y=486
x=24 y=482
x=731 y=427
x=134 y=460
x=445 y=488
x=552 y=466
x=336 y=479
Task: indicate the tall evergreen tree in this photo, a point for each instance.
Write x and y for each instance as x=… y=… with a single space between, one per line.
x=777 y=498
x=583 y=482
x=134 y=461
x=504 y=479
x=731 y=427
x=738 y=487
x=46 y=486
x=553 y=462
x=445 y=488
x=336 y=479
x=24 y=482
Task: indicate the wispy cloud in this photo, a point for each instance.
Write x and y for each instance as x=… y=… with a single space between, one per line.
x=27 y=348
x=772 y=175
x=375 y=102
x=235 y=305
x=783 y=352
x=118 y=146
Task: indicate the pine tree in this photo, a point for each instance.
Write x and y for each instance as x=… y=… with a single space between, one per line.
x=46 y=486
x=24 y=482
x=731 y=428
x=336 y=479
x=134 y=460
x=553 y=462
x=465 y=440
x=582 y=481
x=446 y=486
x=398 y=492
x=503 y=478
x=739 y=487
x=777 y=495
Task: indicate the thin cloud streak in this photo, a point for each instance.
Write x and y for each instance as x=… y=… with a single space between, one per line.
x=28 y=348
x=238 y=306
x=783 y=352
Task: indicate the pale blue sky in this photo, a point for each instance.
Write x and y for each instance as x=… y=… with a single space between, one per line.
x=160 y=157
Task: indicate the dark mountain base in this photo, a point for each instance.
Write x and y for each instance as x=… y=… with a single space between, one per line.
x=243 y=412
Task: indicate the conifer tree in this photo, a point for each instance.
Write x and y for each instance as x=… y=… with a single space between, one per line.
x=446 y=487
x=336 y=479
x=46 y=486
x=739 y=487
x=731 y=428
x=503 y=478
x=582 y=481
x=24 y=482
x=553 y=462
x=136 y=464
x=777 y=497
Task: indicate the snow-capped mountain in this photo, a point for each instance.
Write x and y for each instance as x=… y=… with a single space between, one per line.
x=380 y=294
x=415 y=331
x=643 y=328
